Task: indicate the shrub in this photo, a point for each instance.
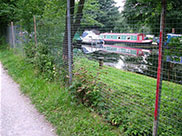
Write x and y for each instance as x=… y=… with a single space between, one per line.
x=30 y=51
x=87 y=88
x=42 y=59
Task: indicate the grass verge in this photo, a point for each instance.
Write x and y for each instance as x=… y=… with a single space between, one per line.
x=54 y=102
x=129 y=100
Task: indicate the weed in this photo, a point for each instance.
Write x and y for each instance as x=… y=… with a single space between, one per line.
x=87 y=88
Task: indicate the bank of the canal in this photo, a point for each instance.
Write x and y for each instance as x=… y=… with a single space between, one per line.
x=54 y=101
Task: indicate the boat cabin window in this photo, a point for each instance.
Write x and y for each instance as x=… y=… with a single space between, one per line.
x=111 y=37
x=128 y=38
x=119 y=37
x=140 y=52
x=140 y=37
x=123 y=37
x=90 y=36
x=104 y=36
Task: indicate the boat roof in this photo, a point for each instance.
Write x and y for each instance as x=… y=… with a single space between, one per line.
x=121 y=33
x=171 y=34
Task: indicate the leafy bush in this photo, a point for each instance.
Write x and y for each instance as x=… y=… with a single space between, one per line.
x=87 y=88
x=53 y=101
x=44 y=62
x=174 y=47
x=30 y=50
x=42 y=59
x=2 y=40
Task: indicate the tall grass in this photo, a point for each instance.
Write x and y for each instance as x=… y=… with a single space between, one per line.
x=54 y=101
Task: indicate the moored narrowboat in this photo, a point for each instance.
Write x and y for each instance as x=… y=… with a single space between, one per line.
x=127 y=38
x=91 y=38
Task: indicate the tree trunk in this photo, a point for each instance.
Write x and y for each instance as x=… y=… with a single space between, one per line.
x=65 y=41
x=74 y=27
x=79 y=15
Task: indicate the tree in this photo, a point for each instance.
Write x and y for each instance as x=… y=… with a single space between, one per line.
x=51 y=24
x=20 y=10
x=107 y=16
x=173 y=52
x=7 y=14
x=90 y=13
x=146 y=14
x=26 y=9
x=100 y=15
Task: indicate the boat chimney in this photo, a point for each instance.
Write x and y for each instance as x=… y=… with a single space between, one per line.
x=173 y=30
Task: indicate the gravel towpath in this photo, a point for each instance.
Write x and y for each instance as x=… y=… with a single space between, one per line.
x=18 y=117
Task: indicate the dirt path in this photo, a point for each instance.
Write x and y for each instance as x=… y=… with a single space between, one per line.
x=18 y=117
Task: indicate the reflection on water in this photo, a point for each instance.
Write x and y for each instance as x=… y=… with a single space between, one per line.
x=130 y=63
x=135 y=63
x=145 y=64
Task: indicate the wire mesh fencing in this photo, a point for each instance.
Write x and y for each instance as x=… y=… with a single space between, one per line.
x=172 y=77
x=114 y=56
x=40 y=42
x=123 y=90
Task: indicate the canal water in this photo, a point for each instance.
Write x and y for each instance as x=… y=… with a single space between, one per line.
x=124 y=62
x=145 y=64
x=138 y=64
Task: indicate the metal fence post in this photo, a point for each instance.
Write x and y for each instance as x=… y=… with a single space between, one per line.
x=69 y=42
x=159 y=70
x=13 y=35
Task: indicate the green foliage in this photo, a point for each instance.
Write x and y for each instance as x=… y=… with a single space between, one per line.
x=174 y=48
x=115 y=117
x=128 y=100
x=44 y=62
x=7 y=10
x=2 y=40
x=145 y=14
x=7 y=14
x=122 y=25
x=27 y=9
x=173 y=52
x=52 y=22
x=53 y=101
x=40 y=56
x=90 y=13
x=108 y=15
x=100 y=15
x=87 y=88
x=30 y=51
x=51 y=11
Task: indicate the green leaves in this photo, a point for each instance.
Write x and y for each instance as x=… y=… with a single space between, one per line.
x=42 y=60
x=53 y=101
x=174 y=47
x=147 y=13
x=86 y=89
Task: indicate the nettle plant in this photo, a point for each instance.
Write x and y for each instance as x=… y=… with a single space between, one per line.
x=87 y=88
x=30 y=51
x=42 y=59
